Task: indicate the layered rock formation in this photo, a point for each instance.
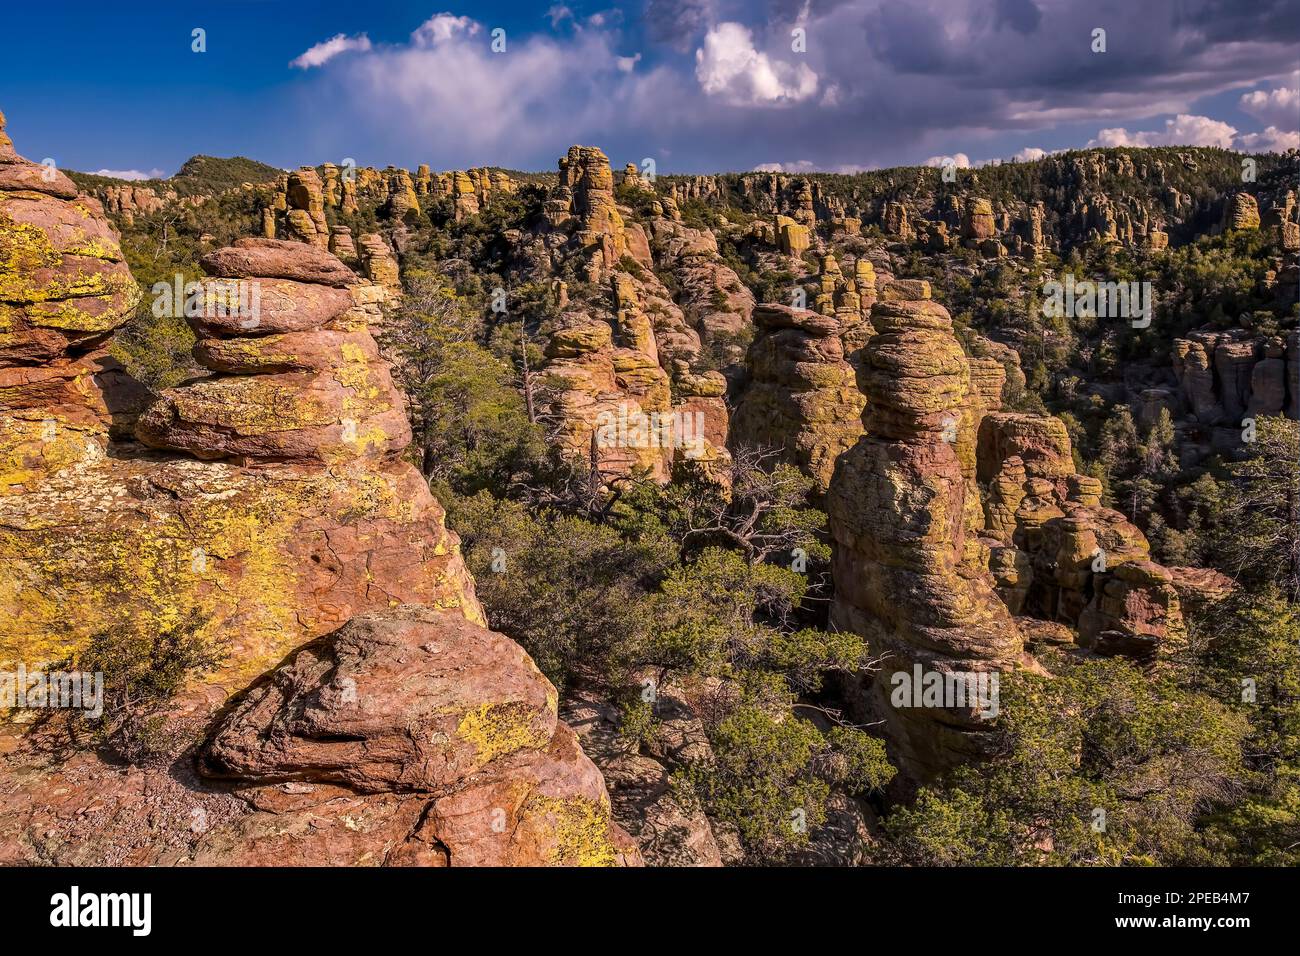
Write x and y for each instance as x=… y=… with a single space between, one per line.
x=64 y=288
x=611 y=398
x=897 y=507
x=1225 y=376
x=304 y=219
x=288 y=513
x=298 y=376
x=1060 y=555
x=586 y=193
x=803 y=397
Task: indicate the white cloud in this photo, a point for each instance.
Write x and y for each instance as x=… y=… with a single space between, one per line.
x=798 y=166
x=1183 y=130
x=558 y=14
x=1272 y=140
x=960 y=160
x=1029 y=154
x=322 y=53
x=442 y=27
x=627 y=63
x=450 y=89
x=1278 y=108
x=728 y=67
x=131 y=174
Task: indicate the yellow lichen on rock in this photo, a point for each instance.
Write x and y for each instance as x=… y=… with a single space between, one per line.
x=497 y=729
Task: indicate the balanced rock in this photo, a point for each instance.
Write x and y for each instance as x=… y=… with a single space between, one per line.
x=281 y=392
x=977 y=220
x=897 y=508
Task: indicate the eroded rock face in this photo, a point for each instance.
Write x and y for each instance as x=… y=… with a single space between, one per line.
x=612 y=400
x=293 y=528
x=418 y=701
x=803 y=397
x=1058 y=554
x=897 y=508
x=514 y=788
x=1241 y=212
x=64 y=289
x=298 y=375
x=587 y=185
x=1224 y=376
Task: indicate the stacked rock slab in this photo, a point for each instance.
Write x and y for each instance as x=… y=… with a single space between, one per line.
x=379 y=263
x=64 y=288
x=896 y=505
x=611 y=399
x=1060 y=555
x=305 y=218
x=587 y=188
x=803 y=398
x=253 y=561
x=297 y=375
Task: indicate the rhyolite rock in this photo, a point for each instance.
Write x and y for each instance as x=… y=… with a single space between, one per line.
x=283 y=399
x=64 y=289
x=803 y=397
x=898 y=520
x=255 y=527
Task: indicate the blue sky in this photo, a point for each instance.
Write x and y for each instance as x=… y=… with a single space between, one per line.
x=697 y=85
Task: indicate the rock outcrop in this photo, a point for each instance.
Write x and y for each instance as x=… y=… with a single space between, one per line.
x=803 y=397
x=420 y=702
x=64 y=289
x=261 y=522
x=586 y=192
x=1241 y=212
x=298 y=376
x=1058 y=554
x=897 y=508
x=1225 y=376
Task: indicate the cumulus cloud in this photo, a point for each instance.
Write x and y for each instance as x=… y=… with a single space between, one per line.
x=676 y=22
x=441 y=27
x=729 y=67
x=960 y=160
x=322 y=53
x=131 y=174
x=1279 y=108
x=463 y=104
x=1272 y=140
x=798 y=166
x=1183 y=130
x=1029 y=154
x=880 y=83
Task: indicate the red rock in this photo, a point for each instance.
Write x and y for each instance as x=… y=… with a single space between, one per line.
x=278 y=259
x=408 y=700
